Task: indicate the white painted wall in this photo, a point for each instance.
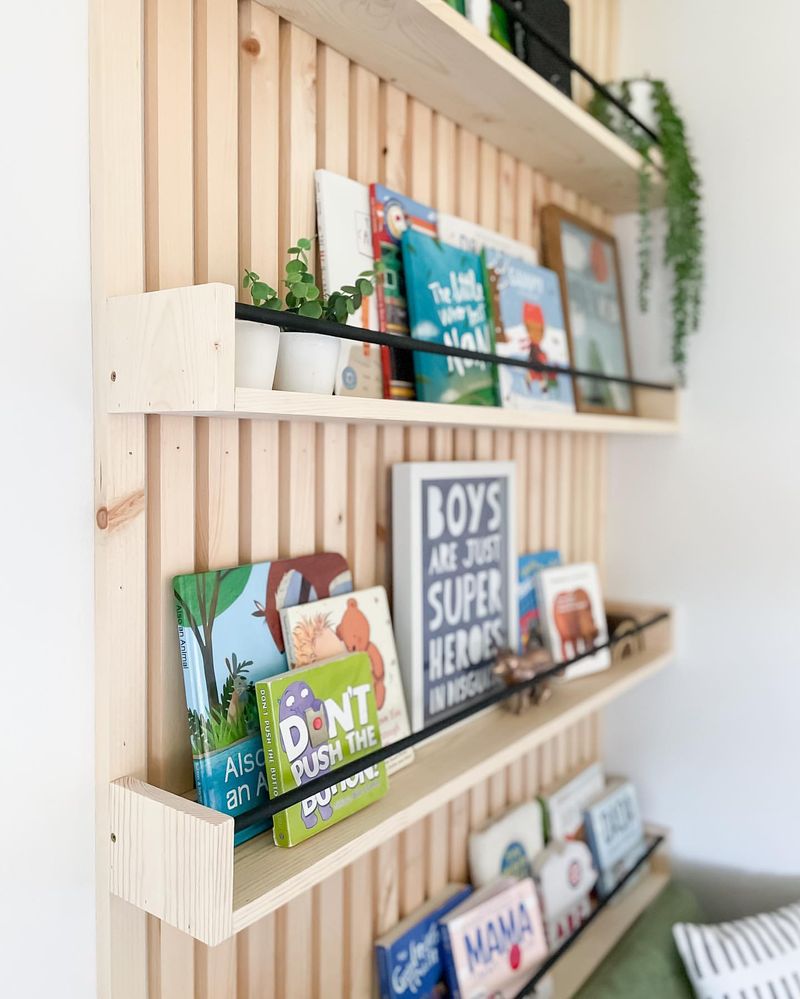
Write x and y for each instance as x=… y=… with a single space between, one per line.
x=711 y=520
x=47 y=937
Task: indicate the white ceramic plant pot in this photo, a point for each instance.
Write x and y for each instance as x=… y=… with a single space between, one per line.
x=256 y=354
x=307 y=362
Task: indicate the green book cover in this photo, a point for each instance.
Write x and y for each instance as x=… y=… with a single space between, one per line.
x=312 y=721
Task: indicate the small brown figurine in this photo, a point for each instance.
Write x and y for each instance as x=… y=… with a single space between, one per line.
x=625 y=640
x=514 y=668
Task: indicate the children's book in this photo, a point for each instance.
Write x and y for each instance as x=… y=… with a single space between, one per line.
x=409 y=956
x=528 y=324
x=506 y=846
x=314 y=720
x=345 y=249
x=229 y=634
x=392 y=215
x=475 y=238
x=564 y=805
x=455 y=580
x=614 y=832
x=492 y=942
x=529 y=567
x=358 y=622
x=447 y=305
x=573 y=617
x=565 y=876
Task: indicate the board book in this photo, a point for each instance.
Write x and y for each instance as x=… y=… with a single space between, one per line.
x=312 y=721
x=564 y=805
x=455 y=580
x=565 y=876
x=392 y=215
x=447 y=305
x=573 y=617
x=356 y=622
x=229 y=636
x=506 y=846
x=529 y=567
x=527 y=324
x=475 y=238
x=409 y=956
x=345 y=250
x=615 y=832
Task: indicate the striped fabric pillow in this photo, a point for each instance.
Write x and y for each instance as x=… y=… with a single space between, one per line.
x=753 y=958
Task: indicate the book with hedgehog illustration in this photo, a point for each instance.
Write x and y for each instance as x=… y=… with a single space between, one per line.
x=313 y=720
x=356 y=622
x=229 y=636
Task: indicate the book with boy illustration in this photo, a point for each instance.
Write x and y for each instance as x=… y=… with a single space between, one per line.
x=392 y=215
x=229 y=636
x=573 y=617
x=528 y=324
x=447 y=305
x=356 y=622
x=314 y=720
x=529 y=567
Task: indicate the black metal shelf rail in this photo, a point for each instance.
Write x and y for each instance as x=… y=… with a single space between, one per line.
x=653 y=843
x=304 y=324
x=312 y=787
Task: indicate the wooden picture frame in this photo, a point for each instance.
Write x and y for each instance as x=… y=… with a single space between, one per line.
x=608 y=350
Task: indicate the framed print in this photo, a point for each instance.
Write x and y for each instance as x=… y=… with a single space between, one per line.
x=587 y=264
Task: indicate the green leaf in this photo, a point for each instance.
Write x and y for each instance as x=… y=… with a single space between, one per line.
x=366 y=274
x=349 y=288
x=357 y=299
x=261 y=289
x=308 y=277
x=364 y=286
x=304 y=243
x=273 y=303
x=312 y=292
x=311 y=309
x=295 y=265
x=292 y=301
x=292 y=278
x=293 y=249
x=300 y=290
x=340 y=310
x=350 y=306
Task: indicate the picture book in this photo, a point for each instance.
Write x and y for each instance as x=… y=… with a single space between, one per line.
x=573 y=617
x=475 y=238
x=493 y=941
x=614 y=831
x=564 y=805
x=229 y=636
x=529 y=566
x=393 y=214
x=447 y=305
x=455 y=580
x=345 y=250
x=409 y=956
x=565 y=876
x=313 y=720
x=506 y=846
x=358 y=622
x=528 y=324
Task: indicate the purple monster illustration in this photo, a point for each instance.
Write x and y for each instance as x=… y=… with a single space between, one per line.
x=298 y=701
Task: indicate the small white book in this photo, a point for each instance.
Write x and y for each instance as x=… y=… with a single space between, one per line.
x=474 y=238
x=573 y=617
x=354 y=622
x=564 y=805
x=506 y=847
x=345 y=249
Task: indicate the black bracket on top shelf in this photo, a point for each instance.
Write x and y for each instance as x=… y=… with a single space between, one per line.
x=304 y=324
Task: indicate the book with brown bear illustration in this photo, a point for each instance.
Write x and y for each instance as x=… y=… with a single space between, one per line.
x=356 y=622
x=573 y=617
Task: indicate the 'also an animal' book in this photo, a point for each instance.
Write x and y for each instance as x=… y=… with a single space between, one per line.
x=357 y=622
x=528 y=324
x=409 y=956
x=314 y=720
x=447 y=305
x=229 y=635
x=455 y=580
x=573 y=617
x=492 y=943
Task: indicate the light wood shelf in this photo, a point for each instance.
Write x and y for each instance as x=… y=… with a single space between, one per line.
x=435 y=54
x=172 y=856
x=173 y=352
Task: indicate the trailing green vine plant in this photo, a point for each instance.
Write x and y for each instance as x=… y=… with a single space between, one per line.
x=303 y=296
x=683 y=243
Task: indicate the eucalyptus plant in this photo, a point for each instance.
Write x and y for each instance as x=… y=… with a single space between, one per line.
x=303 y=296
x=683 y=243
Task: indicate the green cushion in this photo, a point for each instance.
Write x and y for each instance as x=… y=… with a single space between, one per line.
x=645 y=962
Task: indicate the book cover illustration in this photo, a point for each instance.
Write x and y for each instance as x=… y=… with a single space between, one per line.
x=345 y=248
x=528 y=324
x=529 y=567
x=475 y=238
x=615 y=832
x=313 y=720
x=409 y=956
x=564 y=805
x=392 y=215
x=455 y=580
x=229 y=636
x=358 y=622
x=573 y=617
x=565 y=876
x=447 y=305
x=505 y=847
x=494 y=940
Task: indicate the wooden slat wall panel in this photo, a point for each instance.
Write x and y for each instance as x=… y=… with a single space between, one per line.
x=252 y=106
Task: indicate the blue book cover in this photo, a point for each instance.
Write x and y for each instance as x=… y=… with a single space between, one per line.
x=447 y=304
x=529 y=567
x=229 y=636
x=528 y=324
x=409 y=956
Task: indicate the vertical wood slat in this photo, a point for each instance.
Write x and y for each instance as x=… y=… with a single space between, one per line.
x=364 y=140
x=394 y=137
